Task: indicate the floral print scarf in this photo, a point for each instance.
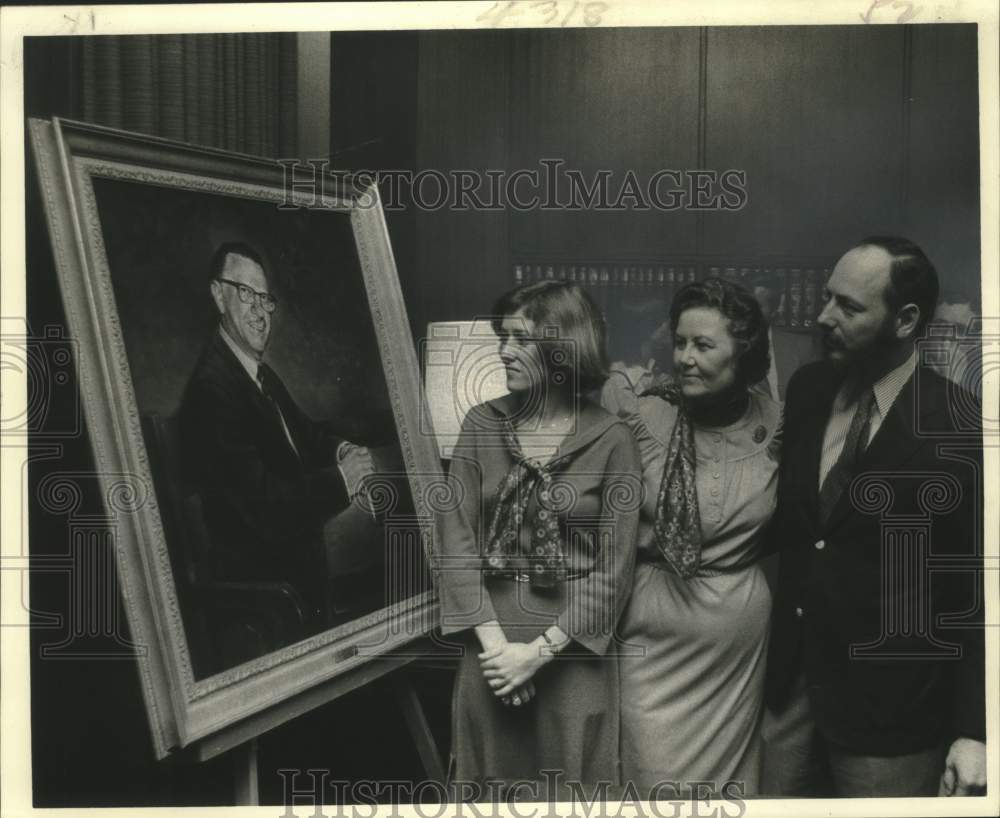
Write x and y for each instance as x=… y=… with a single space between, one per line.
x=546 y=559
x=677 y=526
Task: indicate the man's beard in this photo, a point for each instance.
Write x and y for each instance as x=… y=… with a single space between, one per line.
x=835 y=352
x=882 y=342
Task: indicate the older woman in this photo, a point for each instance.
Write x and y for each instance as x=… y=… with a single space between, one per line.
x=697 y=622
x=536 y=559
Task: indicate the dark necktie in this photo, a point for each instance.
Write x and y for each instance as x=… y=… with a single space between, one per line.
x=844 y=470
x=265 y=377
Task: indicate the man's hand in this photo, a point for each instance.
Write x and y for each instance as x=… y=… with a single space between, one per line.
x=964 y=769
x=355 y=463
x=510 y=667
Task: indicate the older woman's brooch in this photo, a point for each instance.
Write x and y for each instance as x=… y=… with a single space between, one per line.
x=759 y=434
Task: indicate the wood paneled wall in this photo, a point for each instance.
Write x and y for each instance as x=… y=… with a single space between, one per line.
x=462 y=123
x=842 y=131
x=814 y=117
x=615 y=100
x=941 y=193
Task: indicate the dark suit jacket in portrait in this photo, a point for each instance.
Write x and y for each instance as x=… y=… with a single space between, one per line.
x=836 y=590
x=265 y=504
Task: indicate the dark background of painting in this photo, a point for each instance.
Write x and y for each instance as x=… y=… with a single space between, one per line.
x=159 y=242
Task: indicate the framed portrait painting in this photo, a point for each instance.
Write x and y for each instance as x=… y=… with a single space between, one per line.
x=252 y=395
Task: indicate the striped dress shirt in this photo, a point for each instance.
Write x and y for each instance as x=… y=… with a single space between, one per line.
x=886 y=389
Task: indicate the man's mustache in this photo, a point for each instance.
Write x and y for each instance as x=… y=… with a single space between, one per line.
x=830 y=342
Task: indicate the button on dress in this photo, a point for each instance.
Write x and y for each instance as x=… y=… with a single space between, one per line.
x=693 y=700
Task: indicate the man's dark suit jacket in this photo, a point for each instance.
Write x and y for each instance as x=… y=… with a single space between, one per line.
x=832 y=588
x=264 y=504
x=791 y=351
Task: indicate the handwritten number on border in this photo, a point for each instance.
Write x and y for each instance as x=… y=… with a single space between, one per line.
x=910 y=10
x=546 y=12
x=551 y=9
x=497 y=13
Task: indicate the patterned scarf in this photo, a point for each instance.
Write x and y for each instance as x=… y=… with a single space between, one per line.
x=546 y=557
x=677 y=526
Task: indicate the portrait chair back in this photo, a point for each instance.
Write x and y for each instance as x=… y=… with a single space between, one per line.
x=227 y=621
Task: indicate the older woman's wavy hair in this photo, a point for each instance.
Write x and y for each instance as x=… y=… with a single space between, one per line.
x=568 y=325
x=747 y=325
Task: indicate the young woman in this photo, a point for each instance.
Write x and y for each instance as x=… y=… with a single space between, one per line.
x=536 y=559
x=700 y=608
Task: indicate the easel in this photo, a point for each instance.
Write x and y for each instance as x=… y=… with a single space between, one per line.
x=240 y=740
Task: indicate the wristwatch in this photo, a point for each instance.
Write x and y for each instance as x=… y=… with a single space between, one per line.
x=553 y=647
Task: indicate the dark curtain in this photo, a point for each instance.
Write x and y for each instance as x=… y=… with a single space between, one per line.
x=231 y=91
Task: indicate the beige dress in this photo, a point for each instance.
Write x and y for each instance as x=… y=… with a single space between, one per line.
x=693 y=653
